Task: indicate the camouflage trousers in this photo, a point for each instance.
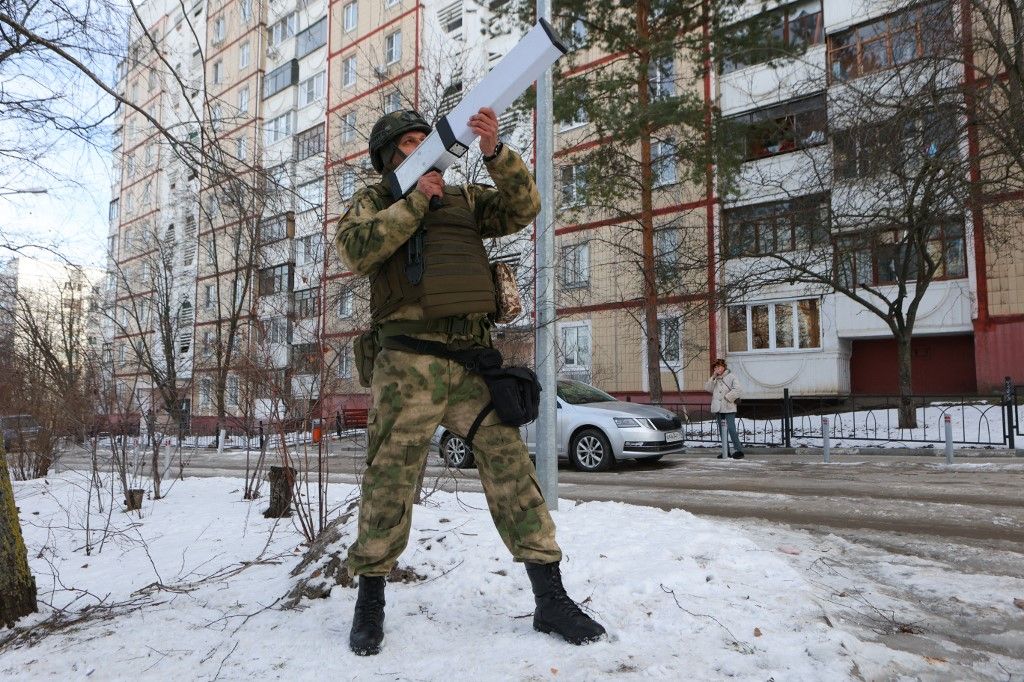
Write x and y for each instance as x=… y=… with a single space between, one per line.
x=412 y=394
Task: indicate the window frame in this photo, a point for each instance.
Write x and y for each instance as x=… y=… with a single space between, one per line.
x=776 y=216
x=772 y=330
x=575 y=259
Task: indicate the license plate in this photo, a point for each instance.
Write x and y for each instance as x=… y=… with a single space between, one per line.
x=673 y=436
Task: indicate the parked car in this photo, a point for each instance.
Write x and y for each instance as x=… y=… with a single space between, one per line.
x=594 y=431
x=20 y=430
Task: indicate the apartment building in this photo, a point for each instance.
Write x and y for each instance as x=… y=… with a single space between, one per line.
x=149 y=311
x=808 y=172
x=229 y=234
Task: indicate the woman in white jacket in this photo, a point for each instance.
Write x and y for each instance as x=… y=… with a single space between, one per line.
x=725 y=390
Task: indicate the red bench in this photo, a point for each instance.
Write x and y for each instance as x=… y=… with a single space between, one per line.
x=354 y=417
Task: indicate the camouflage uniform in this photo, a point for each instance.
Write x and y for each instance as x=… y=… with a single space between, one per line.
x=414 y=393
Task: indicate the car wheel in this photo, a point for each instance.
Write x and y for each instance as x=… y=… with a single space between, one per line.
x=455 y=452
x=590 y=451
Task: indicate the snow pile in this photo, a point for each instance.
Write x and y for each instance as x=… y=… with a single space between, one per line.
x=194 y=589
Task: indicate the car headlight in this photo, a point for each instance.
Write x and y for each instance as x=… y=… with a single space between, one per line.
x=626 y=423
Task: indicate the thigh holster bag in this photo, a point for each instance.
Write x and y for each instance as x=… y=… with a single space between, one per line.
x=515 y=391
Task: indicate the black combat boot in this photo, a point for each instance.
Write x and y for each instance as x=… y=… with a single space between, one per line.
x=368 y=622
x=556 y=612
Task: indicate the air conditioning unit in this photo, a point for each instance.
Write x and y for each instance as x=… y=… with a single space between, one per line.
x=273 y=53
x=381 y=72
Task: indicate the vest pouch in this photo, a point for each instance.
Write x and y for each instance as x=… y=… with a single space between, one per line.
x=365 y=351
x=515 y=394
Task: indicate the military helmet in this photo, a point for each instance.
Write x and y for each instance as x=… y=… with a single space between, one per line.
x=388 y=129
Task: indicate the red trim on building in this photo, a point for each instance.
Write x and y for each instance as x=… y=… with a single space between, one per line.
x=633 y=303
x=379 y=29
x=590 y=65
x=583 y=146
x=367 y=93
x=665 y=210
x=710 y=196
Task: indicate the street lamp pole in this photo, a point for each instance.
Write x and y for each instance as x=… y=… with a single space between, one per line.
x=546 y=445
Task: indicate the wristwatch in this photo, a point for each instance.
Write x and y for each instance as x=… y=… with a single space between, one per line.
x=497 y=150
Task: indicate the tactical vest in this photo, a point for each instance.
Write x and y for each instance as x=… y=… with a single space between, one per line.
x=456 y=276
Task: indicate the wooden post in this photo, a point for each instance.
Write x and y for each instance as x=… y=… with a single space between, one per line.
x=17 y=586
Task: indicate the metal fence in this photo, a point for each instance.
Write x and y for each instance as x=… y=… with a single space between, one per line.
x=863 y=420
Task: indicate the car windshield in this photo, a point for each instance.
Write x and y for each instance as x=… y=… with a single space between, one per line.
x=576 y=393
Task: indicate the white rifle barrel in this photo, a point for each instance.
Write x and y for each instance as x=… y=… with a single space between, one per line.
x=452 y=136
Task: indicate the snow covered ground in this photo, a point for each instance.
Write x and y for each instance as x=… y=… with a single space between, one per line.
x=192 y=589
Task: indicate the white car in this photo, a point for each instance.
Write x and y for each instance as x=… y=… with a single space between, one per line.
x=594 y=431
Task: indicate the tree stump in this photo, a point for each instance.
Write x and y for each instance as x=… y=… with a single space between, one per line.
x=133 y=499
x=17 y=586
x=282 y=480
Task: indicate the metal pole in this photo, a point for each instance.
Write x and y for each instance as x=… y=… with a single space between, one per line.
x=825 y=445
x=546 y=444
x=725 y=439
x=1010 y=398
x=787 y=425
x=949 y=439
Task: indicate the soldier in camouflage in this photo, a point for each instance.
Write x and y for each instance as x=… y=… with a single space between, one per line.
x=429 y=280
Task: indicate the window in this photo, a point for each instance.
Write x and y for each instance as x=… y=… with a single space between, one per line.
x=574 y=184
x=276 y=279
x=231 y=389
x=209 y=296
x=348 y=184
x=280 y=78
x=310 y=195
x=346 y=298
x=129 y=166
x=218 y=72
x=577 y=32
x=669 y=340
x=668 y=245
x=663 y=162
x=345 y=362
x=309 y=250
x=216 y=116
x=392 y=101
x=276 y=330
x=661 y=78
x=579 y=115
x=879 y=259
x=219 y=30
x=242 y=148
x=279 y=128
x=273 y=229
x=576 y=265
x=350 y=16
x=780 y=226
x=244 y=55
x=246 y=11
x=151 y=81
x=311 y=38
x=452 y=94
x=348 y=126
x=309 y=142
x=791 y=30
x=208 y=347
x=243 y=100
x=112 y=211
x=781 y=326
x=282 y=30
x=311 y=90
x=896 y=145
x=576 y=346
x=305 y=358
x=349 y=71
x=450 y=17
x=784 y=128
x=393 y=48
x=305 y=303
x=891 y=41
x=206 y=391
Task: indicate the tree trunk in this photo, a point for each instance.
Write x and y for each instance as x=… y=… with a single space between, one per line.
x=156 y=468
x=17 y=586
x=907 y=412
x=282 y=483
x=650 y=293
